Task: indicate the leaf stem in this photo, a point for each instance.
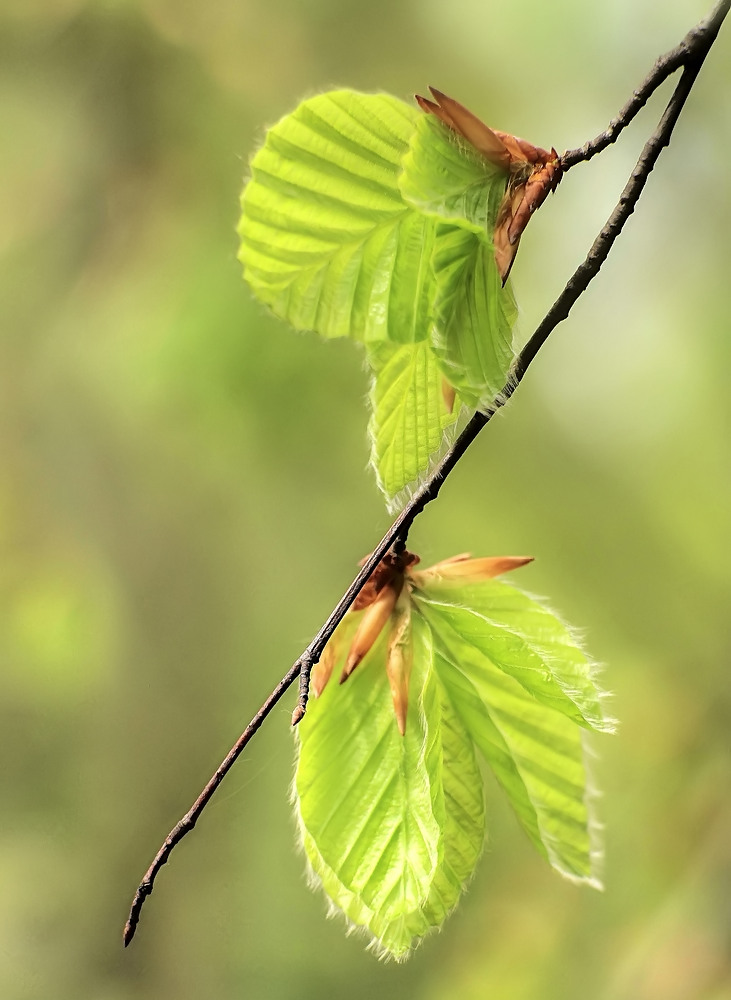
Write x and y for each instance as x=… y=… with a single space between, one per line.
x=689 y=56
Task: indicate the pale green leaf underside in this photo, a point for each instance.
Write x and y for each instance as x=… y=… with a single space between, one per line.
x=521 y=718
x=493 y=620
x=472 y=334
x=326 y=238
x=408 y=412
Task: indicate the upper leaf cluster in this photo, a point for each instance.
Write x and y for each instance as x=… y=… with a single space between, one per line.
x=367 y=219
x=392 y=815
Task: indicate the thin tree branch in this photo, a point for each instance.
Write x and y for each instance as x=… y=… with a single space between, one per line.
x=693 y=48
x=688 y=55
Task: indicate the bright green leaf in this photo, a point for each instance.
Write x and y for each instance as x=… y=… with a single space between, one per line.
x=326 y=238
x=365 y=799
x=365 y=218
x=473 y=316
x=533 y=746
x=408 y=412
x=464 y=803
x=491 y=620
x=392 y=826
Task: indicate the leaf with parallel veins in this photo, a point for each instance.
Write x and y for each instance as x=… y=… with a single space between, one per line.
x=363 y=218
x=391 y=810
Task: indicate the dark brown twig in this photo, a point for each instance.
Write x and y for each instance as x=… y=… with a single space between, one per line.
x=688 y=56
x=691 y=50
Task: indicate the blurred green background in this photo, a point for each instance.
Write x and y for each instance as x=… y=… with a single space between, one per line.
x=184 y=496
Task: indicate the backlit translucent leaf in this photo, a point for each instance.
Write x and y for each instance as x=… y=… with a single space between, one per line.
x=392 y=826
x=326 y=238
x=533 y=746
x=365 y=218
x=492 y=620
x=473 y=316
x=472 y=337
x=408 y=412
x=464 y=825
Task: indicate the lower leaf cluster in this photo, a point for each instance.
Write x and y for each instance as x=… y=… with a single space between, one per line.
x=393 y=825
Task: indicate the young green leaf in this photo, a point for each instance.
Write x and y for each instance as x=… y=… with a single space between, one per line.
x=365 y=218
x=472 y=335
x=492 y=621
x=373 y=805
x=445 y=176
x=327 y=240
x=393 y=825
x=521 y=686
x=537 y=756
x=459 y=803
x=409 y=413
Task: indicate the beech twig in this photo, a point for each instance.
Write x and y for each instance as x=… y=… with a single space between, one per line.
x=689 y=56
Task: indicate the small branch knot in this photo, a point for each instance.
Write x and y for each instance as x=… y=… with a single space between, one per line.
x=307 y=662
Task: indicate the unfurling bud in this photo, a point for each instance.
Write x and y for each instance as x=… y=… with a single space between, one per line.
x=374 y=618
x=386 y=602
x=532 y=172
x=391 y=568
x=456 y=116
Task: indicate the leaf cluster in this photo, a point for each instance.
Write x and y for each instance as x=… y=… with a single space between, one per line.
x=393 y=826
x=364 y=218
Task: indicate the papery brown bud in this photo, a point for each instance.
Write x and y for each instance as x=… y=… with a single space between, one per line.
x=399 y=662
x=322 y=670
x=389 y=570
x=374 y=618
x=534 y=172
x=449 y=394
x=461 y=557
x=521 y=149
x=470 y=569
x=469 y=126
x=539 y=185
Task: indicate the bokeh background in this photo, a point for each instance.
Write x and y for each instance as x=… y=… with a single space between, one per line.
x=184 y=496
